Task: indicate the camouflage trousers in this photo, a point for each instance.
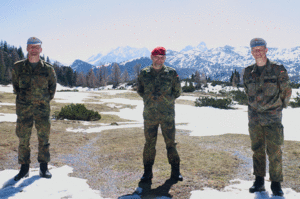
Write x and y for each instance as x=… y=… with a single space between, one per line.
x=23 y=130
x=267 y=139
x=168 y=132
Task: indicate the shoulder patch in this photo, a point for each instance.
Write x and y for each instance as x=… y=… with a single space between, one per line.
x=20 y=61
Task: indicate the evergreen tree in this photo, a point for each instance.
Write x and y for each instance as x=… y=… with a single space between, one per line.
x=69 y=76
x=104 y=76
x=15 y=55
x=125 y=76
x=115 y=75
x=5 y=47
x=235 y=78
x=197 y=79
x=136 y=71
x=20 y=53
x=91 y=79
x=48 y=60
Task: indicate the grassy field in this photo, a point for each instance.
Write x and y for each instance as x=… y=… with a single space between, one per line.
x=111 y=161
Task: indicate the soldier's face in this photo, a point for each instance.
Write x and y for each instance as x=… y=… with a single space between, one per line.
x=34 y=50
x=158 y=60
x=259 y=52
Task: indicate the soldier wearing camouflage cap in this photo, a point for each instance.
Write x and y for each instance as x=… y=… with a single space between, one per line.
x=159 y=86
x=34 y=83
x=267 y=86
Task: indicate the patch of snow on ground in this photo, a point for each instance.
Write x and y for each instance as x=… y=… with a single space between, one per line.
x=61 y=185
x=8 y=117
x=240 y=190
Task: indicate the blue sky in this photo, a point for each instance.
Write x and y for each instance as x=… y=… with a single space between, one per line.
x=78 y=29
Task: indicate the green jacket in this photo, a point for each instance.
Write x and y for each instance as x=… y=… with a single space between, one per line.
x=36 y=87
x=159 y=91
x=269 y=92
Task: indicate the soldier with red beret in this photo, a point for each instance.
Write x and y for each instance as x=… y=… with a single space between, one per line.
x=159 y=86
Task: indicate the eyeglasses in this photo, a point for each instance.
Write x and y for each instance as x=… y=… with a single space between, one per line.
x=34 y=47
x=162 y=57
x=258 y=50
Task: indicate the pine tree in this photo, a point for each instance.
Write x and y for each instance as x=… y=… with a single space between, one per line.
x=115 y=75
x=196 y=78
x=104 y=76
x=81 y=80
x=125 y=76
x=136 y=71
x=235 y=78
x=15 y=55
x=48 y=60
x=5 y=47
x=20 y=53
x=91 y=79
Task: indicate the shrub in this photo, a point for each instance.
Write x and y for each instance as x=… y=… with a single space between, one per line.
x=74 y=90
x=217 y=82
x=239 y=96
x=297 y=101
x=216 y=103
x=189 y=88
x=77 y=112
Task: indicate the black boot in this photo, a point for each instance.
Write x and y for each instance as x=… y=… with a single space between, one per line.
x=148 y=175
x=276 y=189
x=24 y=172
x=175 y=173
x=44 y=172
x=258 y=186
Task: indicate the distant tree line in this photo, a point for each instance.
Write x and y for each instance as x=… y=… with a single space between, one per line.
x=8 y=56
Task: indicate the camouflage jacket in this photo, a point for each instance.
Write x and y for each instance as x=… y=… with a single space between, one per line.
x=33 y=86
x=268 y=93
x=159 y=91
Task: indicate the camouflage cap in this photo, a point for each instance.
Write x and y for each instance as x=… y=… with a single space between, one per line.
x=258 y=42
x=34 y=40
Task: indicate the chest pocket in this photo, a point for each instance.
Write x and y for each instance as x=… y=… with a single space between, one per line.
x=148 y=84
x=42 y=80
x=24 y=81
x=270 y=86
x=251 y=87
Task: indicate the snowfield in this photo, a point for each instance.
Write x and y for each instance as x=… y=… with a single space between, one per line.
x=199 y=121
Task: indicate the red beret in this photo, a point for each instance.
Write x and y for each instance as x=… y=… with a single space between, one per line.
x=158 y=51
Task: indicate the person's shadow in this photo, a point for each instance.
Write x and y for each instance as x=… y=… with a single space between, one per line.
x=8 y=189
x=265 y=195
x=144 y=190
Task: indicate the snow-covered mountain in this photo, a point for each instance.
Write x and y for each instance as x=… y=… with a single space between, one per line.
x=201 y=47
x=79 y=66
x=216 y=63
x=118 y=55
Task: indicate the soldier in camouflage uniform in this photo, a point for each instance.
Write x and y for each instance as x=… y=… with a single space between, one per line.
x=159 y=86
x=34 y=83
x=267 y=87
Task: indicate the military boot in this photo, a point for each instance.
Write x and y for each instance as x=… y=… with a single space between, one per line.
x=258 y=186
x=24 y=172
x=175 y=172
x=276 y=189
x=148 y=175
x=44 y=172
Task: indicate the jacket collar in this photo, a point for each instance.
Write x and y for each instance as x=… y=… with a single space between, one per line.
x=267 y=67
x=153 y=71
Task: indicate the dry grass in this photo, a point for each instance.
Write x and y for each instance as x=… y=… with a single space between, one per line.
x=111 y=161
x=291 y=165
x=119 y=153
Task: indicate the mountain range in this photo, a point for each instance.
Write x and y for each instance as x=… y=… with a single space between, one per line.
x=216 y=63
